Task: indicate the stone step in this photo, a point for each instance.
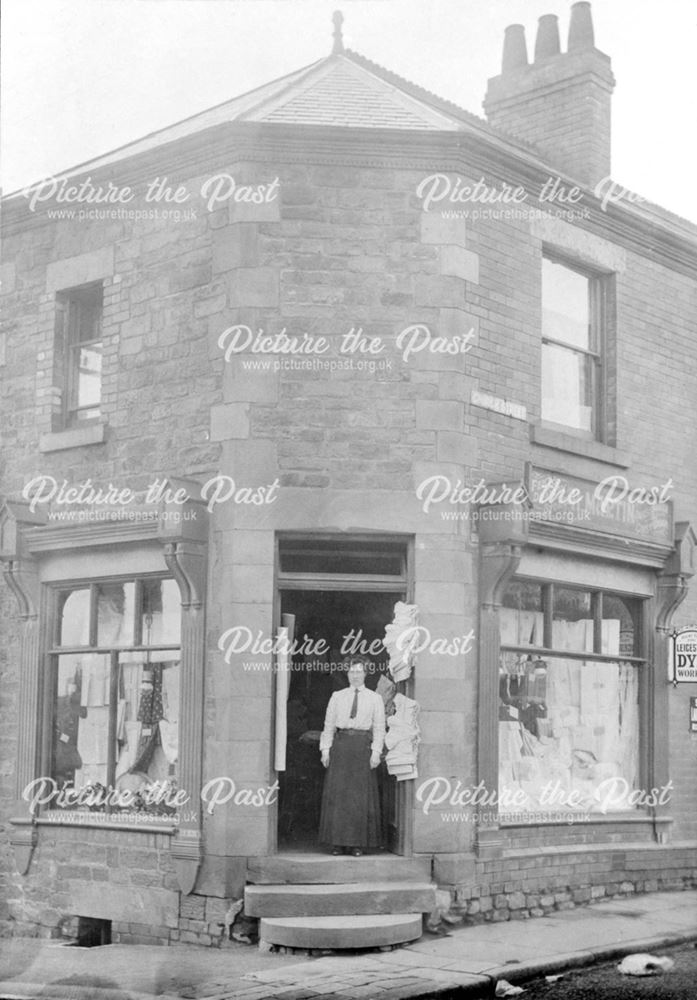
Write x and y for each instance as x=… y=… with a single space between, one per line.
x=303 y=869
x=341 y=931
x=350 y=898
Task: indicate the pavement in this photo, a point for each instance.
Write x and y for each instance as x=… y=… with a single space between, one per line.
x=468 y=962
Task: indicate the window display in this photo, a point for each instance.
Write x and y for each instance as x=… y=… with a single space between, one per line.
x=568 y=725
x=116 y=710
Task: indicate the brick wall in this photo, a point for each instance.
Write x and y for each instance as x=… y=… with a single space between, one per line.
x=531 y=884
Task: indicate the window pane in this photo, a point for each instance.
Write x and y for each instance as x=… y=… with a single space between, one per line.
x=115 y=614
x=81 y=720
x=379 y=558
x=66 y=759
x=618 y=626
x=161 y=612
x=85 y=313
x=568 y=735
x=89 y=381
x=567 y=387
x=74 y=617
x=147 y=725
x=521 y=617
x=572 y=620
x=565 y=305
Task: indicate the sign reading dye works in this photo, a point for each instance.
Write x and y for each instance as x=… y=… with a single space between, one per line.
x=612 y=505
x=682 y=655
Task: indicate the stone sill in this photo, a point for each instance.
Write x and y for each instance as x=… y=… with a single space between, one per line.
x=548 y=438
x=76 y=437
x=598 y=819
x=89 y=823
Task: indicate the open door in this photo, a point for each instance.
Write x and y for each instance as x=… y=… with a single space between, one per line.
x=336 y=614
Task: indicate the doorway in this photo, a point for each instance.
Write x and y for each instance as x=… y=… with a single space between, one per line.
x=341 y=596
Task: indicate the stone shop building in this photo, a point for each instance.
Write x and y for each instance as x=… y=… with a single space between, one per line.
x=329 y=346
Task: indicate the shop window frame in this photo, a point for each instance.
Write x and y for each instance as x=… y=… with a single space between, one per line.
x=639 y=608
x=55 y=650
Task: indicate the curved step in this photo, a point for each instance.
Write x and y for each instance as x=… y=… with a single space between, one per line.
x=341 y=932
x=332 y=900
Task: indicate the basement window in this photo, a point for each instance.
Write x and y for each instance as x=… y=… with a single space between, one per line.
x=93 y=932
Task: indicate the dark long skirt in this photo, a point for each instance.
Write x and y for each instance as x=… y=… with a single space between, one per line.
x=350 y=800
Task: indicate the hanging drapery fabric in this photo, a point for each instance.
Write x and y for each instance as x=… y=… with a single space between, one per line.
x=387 y=690
x=150 y=711
x=401 y=637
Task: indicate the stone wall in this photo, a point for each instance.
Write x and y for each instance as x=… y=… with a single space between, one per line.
x=343 y=248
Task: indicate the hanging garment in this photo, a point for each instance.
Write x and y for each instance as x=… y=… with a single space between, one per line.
x=387 y=690
x=95 y=680
x=149 y=714
x=92 y=745
x=127 y=757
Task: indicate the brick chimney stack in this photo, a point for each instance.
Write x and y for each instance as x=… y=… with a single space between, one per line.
x=561 y=102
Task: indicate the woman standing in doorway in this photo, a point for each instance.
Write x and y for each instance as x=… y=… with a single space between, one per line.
x=351 y=745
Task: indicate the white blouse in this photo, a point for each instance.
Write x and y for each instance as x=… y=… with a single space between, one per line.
x=370 y=714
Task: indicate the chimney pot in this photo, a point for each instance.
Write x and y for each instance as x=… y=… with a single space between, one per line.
x=515 y=52
x=547 y=41
x=581 y=27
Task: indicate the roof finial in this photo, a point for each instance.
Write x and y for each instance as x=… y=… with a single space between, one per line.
x=338 y=19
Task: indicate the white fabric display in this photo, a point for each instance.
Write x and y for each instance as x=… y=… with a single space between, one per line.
x=127 y=756
x=590 y=730
x=92 y=743
x=400 y=641
x=95 y=680
x=169 y=737
x=402 y=739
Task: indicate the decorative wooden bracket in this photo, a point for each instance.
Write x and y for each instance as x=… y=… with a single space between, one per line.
x=186 y=561
x=186 y=851
x=498 y=563
x=21 y=578
x=673 y=581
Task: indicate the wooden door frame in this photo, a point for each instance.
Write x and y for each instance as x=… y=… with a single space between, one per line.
x=350 y=583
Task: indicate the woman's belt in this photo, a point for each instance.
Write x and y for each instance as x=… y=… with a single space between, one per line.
x=354 y=732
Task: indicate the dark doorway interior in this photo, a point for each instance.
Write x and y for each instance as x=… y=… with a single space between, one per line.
x=332 y=615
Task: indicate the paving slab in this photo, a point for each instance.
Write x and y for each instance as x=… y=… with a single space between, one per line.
x=468 y=959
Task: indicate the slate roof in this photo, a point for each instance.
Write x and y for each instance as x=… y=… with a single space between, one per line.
x=343 y=90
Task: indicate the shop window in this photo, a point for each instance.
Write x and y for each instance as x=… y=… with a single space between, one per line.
x=568 y=700
x=79 y=353
x=115 y=689
x=573 y=336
